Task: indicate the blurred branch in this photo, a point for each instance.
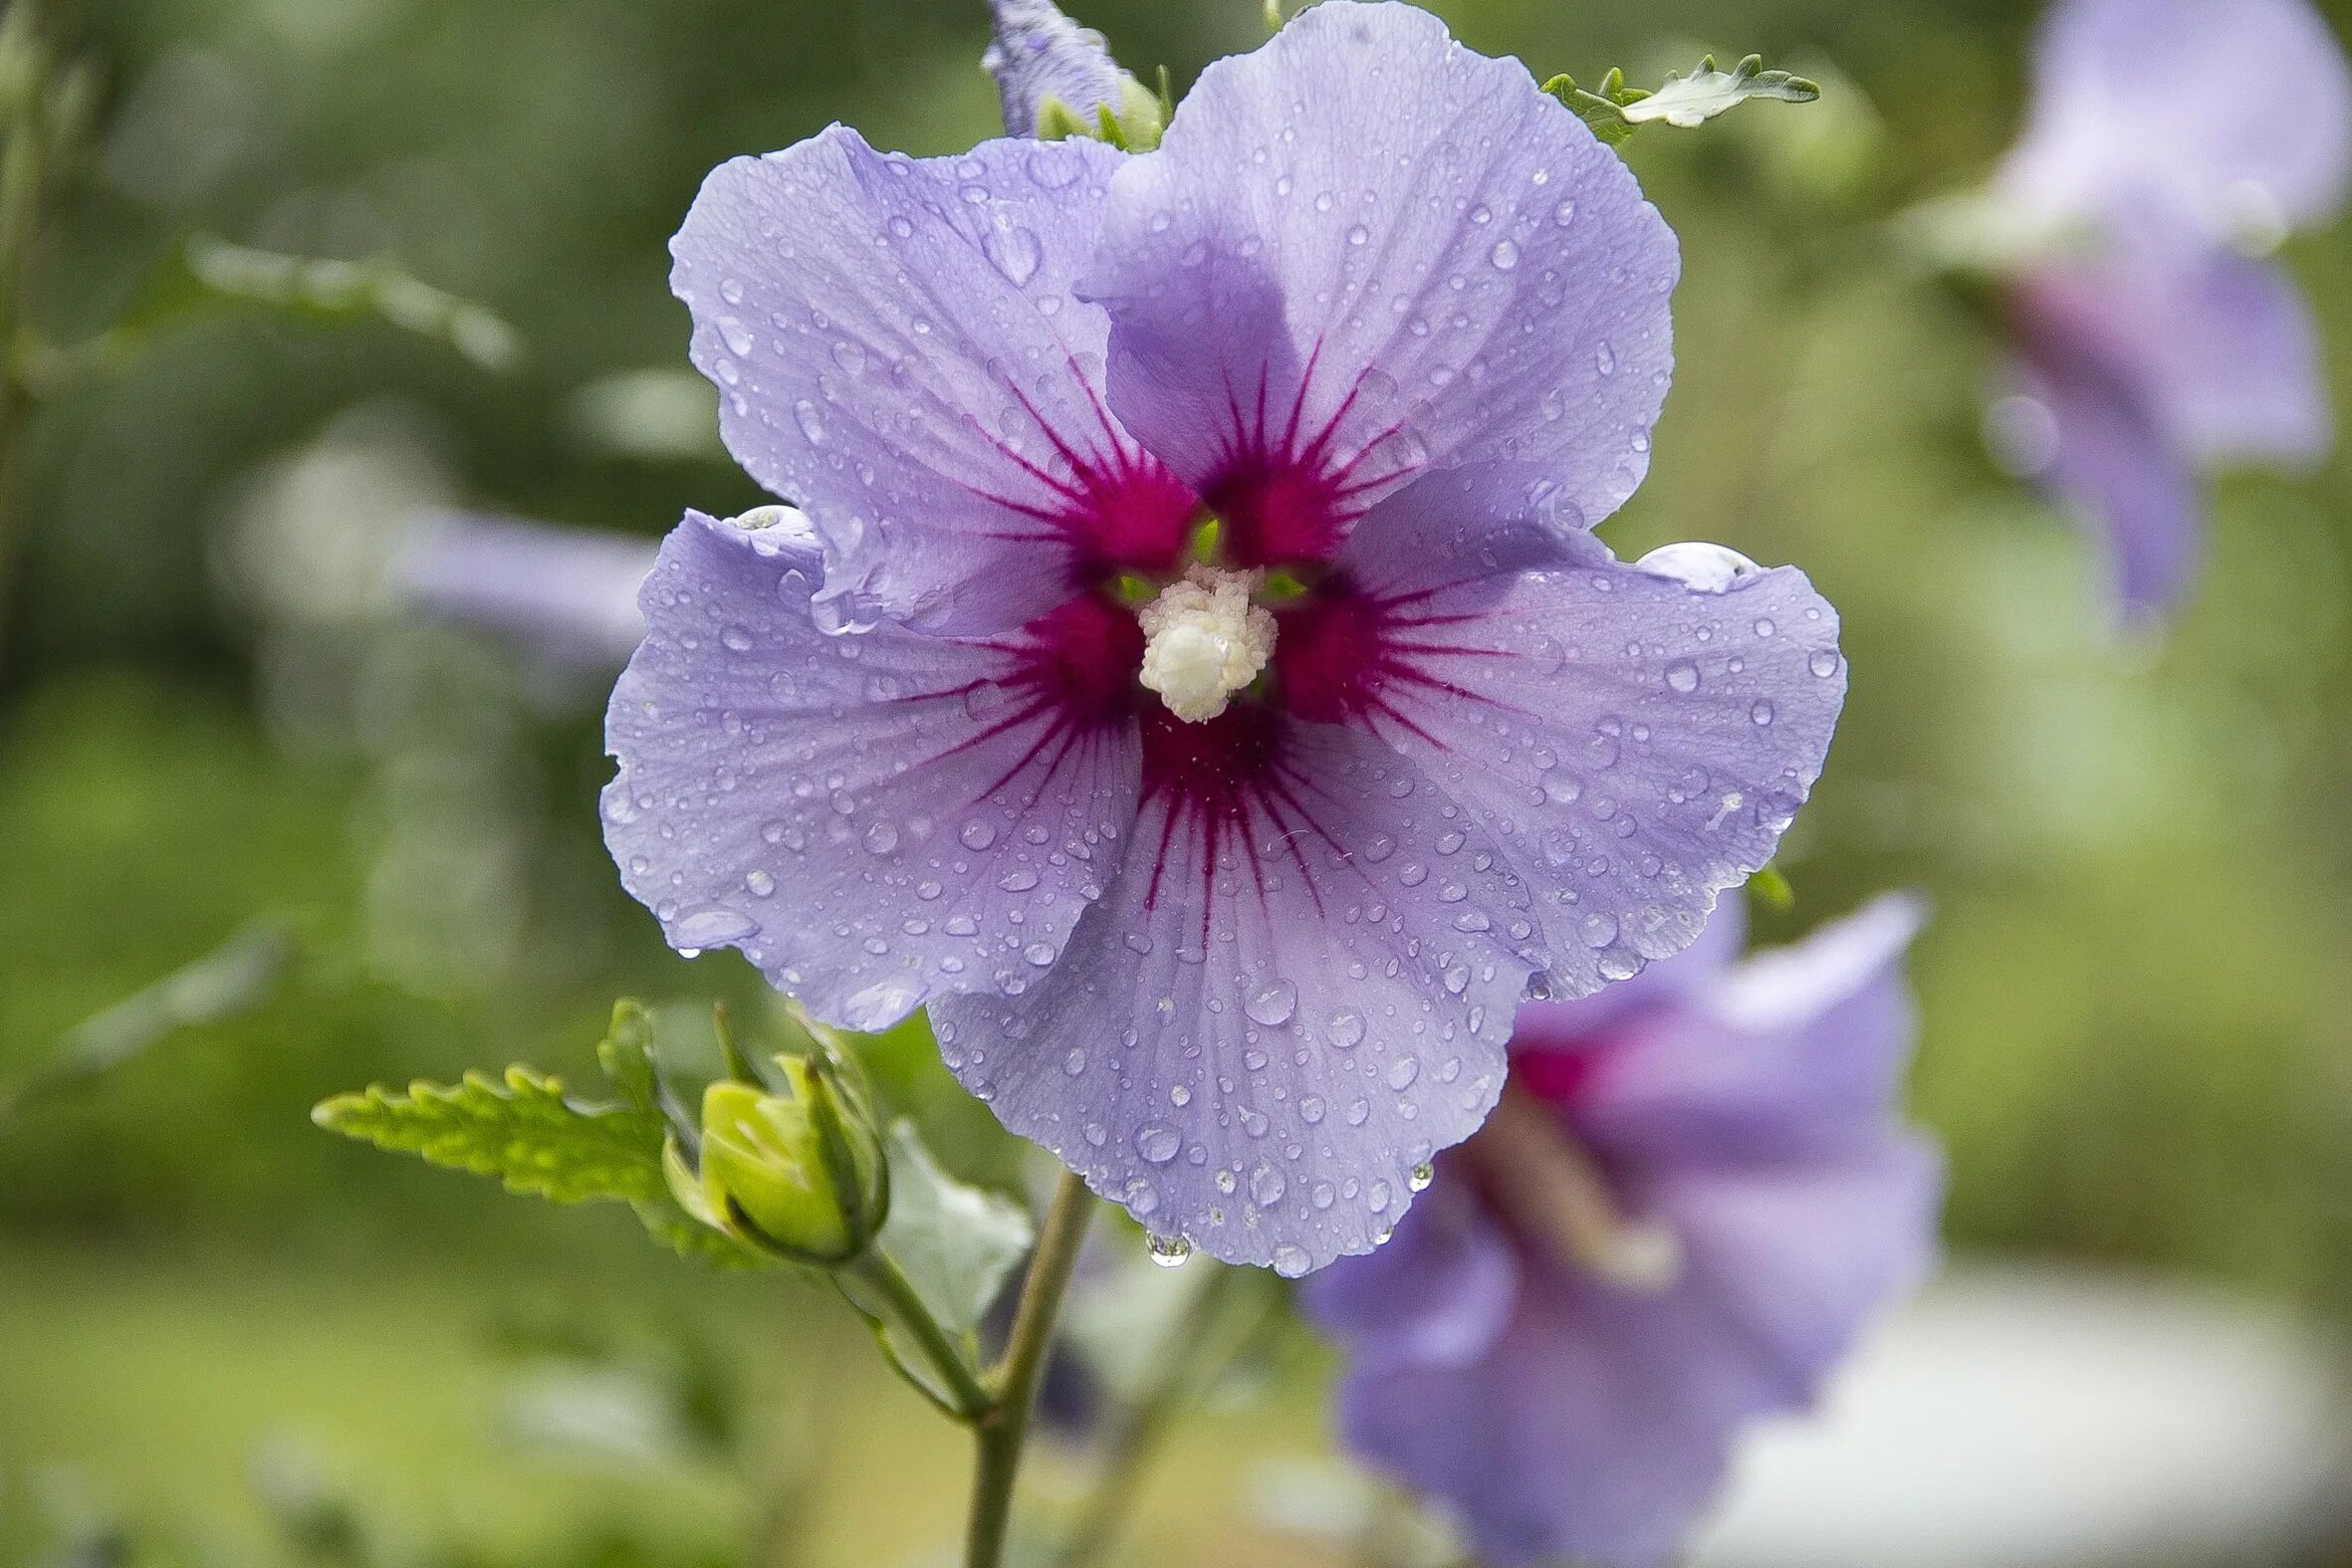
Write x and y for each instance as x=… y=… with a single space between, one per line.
x=1226 y=1313
x=235 y=978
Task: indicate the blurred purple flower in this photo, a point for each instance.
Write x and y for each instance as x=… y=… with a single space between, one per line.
x=1693 y=1198
x=565 y=595
x=2168 y=144
x=1244 y=952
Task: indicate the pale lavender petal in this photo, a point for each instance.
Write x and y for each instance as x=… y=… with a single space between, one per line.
x=875 y=818
x=2111 y=456
x=898 y=351
x=1040 y=54
x=2229 y=112
x=1437 y=1293
x=1364 y=251
x=2221 y=349
x=1796 y=1048
x=568 y=595
x=1291 y=999
x=1635 y=737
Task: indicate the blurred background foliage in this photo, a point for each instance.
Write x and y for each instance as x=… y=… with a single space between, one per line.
x=219 y=1325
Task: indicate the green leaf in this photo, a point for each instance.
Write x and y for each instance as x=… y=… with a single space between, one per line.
x=956 y=1244
x=1616 y=112
x=1694 y=100
x=522 y=1131
x=626 y=1052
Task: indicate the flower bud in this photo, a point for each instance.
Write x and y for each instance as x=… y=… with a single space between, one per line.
x=800 y=1175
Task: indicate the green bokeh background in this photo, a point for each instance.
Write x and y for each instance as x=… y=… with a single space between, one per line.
x=2137 y=989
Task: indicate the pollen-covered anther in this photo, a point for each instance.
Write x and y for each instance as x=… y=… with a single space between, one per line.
x=1204 y=640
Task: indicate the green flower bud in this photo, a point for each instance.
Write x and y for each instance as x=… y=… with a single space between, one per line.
x=800 y=1175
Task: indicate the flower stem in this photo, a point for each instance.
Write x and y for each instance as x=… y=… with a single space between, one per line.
x=966 y=1400
x=1221 y=1318
x=1003 y=1431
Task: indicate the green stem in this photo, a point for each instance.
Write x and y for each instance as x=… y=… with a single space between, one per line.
x=968 y=1399
x=25 y=180
x=1004 y=1430
x=1208 y=1334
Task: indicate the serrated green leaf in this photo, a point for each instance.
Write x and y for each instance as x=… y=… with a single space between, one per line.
x=956 y=1244
x=1706 y=93
x=521 y=1130
x=1616 y=112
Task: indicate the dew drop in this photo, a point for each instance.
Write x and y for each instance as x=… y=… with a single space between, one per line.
x=1272 y=1004
x=1157 y=1142
x=1683 y=676
x=1505 y=255
x=1016 y=253
x=1169 y=1251
x=709 y=926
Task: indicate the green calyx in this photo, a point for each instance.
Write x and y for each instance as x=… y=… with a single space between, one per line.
x=1135 y=125
x=798 y=1173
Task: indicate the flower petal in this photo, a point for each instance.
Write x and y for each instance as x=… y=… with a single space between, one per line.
x=872 y=818
x=1439 y=1292
x=1571 y=1027
x=1039 y=54
x=2101 y=137
x=1364 y=251
x=2111 y=455
x=1295 y=994
x=1600 y=1424
x=898 y=351
x=2221 y=348
x=1797 y=1047
x=1635 y=737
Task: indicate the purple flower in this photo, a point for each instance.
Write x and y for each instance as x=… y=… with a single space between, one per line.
x=1692 y=1199
x=1040 y=55
x=1221 y=880
x=566 y=595
x=2169 y=141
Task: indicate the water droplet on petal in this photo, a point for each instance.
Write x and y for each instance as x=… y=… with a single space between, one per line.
x=1157 y=1142
x=1272 y=1004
